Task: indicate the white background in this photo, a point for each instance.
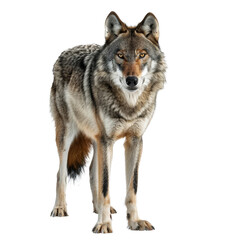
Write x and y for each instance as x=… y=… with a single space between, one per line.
x=189 y=175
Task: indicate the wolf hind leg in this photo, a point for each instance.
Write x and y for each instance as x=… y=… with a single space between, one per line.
x=64 y=138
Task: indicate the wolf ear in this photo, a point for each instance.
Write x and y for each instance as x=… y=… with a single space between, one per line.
x=113 y=27
x=149 y=27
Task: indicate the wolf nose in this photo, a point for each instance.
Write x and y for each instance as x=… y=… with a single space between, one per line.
x=132 y=81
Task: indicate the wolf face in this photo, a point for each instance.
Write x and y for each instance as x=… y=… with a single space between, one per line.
x=132 y=54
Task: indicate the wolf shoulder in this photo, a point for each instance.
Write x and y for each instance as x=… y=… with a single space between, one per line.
x=76 y=58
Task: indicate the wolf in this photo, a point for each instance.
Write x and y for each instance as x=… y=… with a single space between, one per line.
x=99 y=95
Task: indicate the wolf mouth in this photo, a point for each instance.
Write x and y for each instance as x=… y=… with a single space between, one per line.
x=132 y=89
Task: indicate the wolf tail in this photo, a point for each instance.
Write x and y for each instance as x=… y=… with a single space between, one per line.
x=77 y=155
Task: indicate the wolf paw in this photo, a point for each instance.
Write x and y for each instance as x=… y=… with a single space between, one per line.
x=103 y=228
x=59 y=212
x=140 y=225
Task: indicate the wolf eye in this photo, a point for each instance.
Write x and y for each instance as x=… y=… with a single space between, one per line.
x=142 y=55
x=120 y=55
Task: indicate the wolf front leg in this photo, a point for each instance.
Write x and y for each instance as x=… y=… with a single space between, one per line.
x=104 y=157
x=133 y=152
x=93 y=172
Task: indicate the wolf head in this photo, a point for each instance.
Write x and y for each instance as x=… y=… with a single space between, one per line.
x=133 y=54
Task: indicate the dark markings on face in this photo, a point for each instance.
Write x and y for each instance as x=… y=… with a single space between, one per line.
x=129 y=42
x=131 y=53
x=131 y=68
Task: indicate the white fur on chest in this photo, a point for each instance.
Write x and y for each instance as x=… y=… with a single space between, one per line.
x=118 y=127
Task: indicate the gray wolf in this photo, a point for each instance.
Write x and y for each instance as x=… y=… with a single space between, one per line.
x=99 y=95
